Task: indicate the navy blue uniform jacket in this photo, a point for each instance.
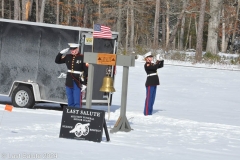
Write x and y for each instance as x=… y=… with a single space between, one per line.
x=151 y=68
x=74 y=63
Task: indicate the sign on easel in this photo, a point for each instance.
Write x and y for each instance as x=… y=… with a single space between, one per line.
x=83 y=124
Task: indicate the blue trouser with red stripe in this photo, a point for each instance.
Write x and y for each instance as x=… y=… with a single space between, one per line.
x=150 y=98
x=74 y=96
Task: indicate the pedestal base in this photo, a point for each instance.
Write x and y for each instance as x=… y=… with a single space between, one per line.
x=121 y=125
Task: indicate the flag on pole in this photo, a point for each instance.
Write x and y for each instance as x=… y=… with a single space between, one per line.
x=8 y=108
x=101 y=31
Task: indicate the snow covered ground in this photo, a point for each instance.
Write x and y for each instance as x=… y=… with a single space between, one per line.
x=196 y=116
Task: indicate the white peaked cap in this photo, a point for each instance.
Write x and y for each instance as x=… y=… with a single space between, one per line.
x=73 y=45
x=148 y=54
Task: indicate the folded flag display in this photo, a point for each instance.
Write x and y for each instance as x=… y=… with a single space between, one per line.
x=101 y=31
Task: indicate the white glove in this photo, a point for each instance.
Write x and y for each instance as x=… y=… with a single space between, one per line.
x=159 y=58
x=83 y=88
x=64 y=51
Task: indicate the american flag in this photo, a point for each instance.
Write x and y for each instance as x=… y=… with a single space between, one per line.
x=102 y=32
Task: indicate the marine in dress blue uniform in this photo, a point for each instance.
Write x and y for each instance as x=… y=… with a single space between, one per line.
x=77 y=71
x=151 y=82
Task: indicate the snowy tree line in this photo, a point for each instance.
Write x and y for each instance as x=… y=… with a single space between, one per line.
x=204 y=25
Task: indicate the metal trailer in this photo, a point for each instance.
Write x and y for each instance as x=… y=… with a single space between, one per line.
x=28 y=72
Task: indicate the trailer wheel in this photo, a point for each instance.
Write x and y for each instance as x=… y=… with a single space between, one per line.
x=23 y=97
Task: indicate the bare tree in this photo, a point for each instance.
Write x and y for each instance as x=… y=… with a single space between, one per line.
x=26 y=4
x=2 y=8
x=85 y=13
x=235 y=24
x=198 y=55
x=119 y=21
x=30 y=9
x=10 y=10
x=195 y=22
x=132 y=27
x=57 y=13
x=77 y=13
x=42 y=11
x=37 y=10
x=99 y=10
x=137 y=21
x=223 y=48
x=182 y=28
x=163 y=26
x=189 y=27
x=167 y=24
x=213 y=25
x=127 y=29
x=156 y=24
x=228 y=18
x=16 y=9
x=68 y=12
x=171 y=39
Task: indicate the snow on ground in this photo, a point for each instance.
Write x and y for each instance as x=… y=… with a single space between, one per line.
x=196 y=116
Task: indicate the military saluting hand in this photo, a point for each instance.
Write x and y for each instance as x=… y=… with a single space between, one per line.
x=64 y=51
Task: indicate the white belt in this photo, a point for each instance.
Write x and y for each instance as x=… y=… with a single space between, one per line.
x=76 y=72
x=152 y=74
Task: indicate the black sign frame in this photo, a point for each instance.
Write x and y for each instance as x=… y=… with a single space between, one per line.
x=83 y=124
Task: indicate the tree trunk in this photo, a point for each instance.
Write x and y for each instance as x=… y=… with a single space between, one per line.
x=156 y=24
x=61 y=15
x=136 y=35
x=85 y=13
x=42 y=11
x=167 y=24
x=119 y=22
x=2 y=8
x=189 y=28
x=10 y=10
x=99 y=11
x=190 y=41
x=132 y=27
x=24 y=10
x=163 y=29
x=26 y=4
x=198 y=56
x=213 y=25
x=227 y=37
x=196 y=26
x=174 y=43
x=235 y=26
x=178 y=40
x=16 y=9
x=181 y=39
x=127 y=30
x=57 y=12
x=69 y=13
x=77 y=7
x=176 y=27
x=37 y=11
x=223 y=32
x=30 y=10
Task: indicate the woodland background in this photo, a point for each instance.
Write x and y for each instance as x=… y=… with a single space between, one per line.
x=205 y=26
